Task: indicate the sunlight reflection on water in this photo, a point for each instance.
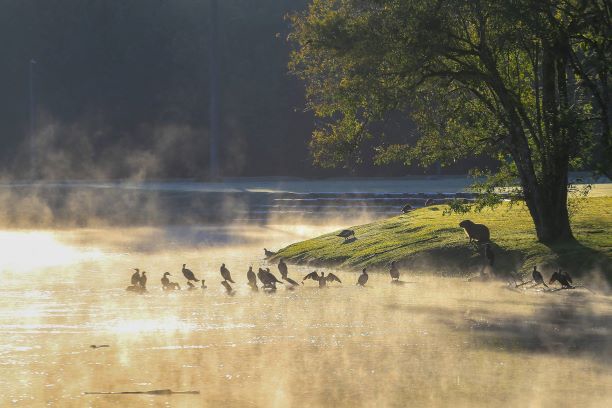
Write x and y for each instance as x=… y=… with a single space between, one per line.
x=430 y=342
x=27 y=250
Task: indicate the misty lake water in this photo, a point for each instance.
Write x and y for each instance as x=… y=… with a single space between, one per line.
x=431 y=342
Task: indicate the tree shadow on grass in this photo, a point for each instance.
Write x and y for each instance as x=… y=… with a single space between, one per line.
x=582 y=260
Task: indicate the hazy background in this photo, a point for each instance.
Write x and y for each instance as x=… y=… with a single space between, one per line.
x=121 y=89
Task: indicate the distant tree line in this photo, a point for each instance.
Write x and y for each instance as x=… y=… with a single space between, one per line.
x=121 y=89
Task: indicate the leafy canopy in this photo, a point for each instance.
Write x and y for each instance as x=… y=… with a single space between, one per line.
x=471 y=74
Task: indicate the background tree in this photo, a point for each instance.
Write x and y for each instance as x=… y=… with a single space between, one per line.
x=507 y=78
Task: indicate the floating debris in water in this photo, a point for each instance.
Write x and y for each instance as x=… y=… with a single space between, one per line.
x=151 y=392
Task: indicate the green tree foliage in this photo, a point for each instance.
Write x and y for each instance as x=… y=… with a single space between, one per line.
x=526 y=81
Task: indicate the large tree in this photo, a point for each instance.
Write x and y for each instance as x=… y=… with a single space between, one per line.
x=525 y=80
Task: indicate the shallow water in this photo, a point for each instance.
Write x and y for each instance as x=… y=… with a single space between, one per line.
x=429 y=342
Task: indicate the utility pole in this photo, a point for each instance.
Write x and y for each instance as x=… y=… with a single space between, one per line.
x=213 y=77
x=32 y=135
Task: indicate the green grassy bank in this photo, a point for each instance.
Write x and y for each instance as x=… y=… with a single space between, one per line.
x=427 y=240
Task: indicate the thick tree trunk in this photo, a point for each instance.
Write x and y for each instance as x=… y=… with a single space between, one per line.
x=546 y=195
x=547 y=203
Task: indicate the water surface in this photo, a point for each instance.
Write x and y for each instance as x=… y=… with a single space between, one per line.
x=430 y=342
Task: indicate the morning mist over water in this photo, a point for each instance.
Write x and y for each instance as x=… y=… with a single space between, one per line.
x=264 y=204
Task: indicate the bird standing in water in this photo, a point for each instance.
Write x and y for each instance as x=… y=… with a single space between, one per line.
x=537 y=277
x=282 y=268
x=252 y=278
x=488 y=252
x=136 y=277
x=268 y=280
x=165 y=281
x=167 y=285
x=271 y=278
x=188 y=274
x=143 y=280
x=314 y=275
x=225 y=273
x=394 y=272
x=363 y=278
x=322 y=279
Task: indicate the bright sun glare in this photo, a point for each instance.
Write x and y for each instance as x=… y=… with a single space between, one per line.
x=24 y=251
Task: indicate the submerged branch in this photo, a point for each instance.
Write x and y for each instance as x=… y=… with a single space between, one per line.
x=150 y=392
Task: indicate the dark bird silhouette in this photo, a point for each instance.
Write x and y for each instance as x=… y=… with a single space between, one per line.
x=267 y=279
x=346 y=234
x=143 y=280
x=225 y=273
x=165 y=281
x=322 y=279
x=136 y=277
x=567 y=275
x=227 y=287
x=252 y=278
x=407 y=208
x=329 y=278
x=394 y=272
x=560 y=277
x=269 y=253
x=488 y=252
x=188 y=274
x=282 y=268
x=271 y=278
x=167 y=285
x=261 y=274
x=314 y=275
x=537 y=277
x=476 y=232
x=363 y=278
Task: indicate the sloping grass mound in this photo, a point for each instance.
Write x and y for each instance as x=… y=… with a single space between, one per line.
x=428 y=240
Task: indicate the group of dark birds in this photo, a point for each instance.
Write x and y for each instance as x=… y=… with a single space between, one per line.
x=561 y=276
x=265 y=277
x=478 y=234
